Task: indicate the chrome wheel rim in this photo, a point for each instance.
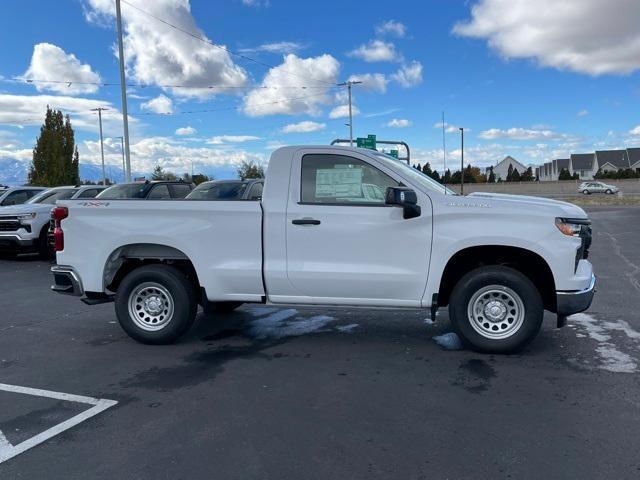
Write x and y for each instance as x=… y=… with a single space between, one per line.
x=496 y=312
x=151 y=306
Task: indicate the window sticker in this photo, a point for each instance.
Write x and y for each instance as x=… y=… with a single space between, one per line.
x=339 y=183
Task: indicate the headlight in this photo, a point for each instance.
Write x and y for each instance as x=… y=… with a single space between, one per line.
x=26 y=216
x=571 y=227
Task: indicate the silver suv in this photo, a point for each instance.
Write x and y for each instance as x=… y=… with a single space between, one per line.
x=587 y=188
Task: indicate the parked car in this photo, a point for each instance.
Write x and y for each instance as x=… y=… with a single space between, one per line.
x=17 y=195
x=318 y=238
x=587 y=188
x=228 y=190
x=149 y=190
x=23 y=228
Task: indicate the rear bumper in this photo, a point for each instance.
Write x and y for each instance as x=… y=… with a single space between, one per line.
x=578 y=301
x=66 y=281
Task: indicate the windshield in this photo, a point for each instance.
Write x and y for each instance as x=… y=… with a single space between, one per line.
x=124 y=191
x=218 y=191
x=51 y=197
x=415 y=174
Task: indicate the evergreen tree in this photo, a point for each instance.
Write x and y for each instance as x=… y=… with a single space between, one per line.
x=55 y=156
x=427 y=169
x=510 y=173
x=515 y=176
x=419 y=167
x=492 y=176
x=564 y=175
x=436 y=176
x=250 y=170
x=446 y=179
x=471 y=174
x=527 y=176
x=158 y=173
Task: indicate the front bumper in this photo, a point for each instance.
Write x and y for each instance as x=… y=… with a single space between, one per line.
x=577 y=301
x=66 y=281
x=13 y=241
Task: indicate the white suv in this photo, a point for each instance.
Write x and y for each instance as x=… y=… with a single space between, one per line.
x=18 y=195
x=23 y=228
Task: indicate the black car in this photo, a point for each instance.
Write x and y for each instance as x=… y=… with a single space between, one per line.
x=149 y=190
x=228 y=190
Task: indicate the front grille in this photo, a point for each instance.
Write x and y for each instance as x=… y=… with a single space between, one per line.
x=586 y=235
x=9 y=226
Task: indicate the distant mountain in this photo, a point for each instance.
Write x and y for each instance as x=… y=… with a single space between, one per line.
x=15 y=172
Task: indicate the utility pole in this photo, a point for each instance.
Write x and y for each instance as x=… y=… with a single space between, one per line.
x=123 y=87
x=124 y=168
x=100 y=110
x=349 y=84
x=461 y=161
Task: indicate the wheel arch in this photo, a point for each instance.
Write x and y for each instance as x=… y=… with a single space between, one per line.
x=527 y=262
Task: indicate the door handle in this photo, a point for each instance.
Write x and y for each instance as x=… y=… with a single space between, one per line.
x=305 y=221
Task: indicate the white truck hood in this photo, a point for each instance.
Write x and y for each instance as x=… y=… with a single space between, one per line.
x=26 y=208
x=568 y=209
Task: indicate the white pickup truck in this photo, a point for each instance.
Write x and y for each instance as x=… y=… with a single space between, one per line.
x=335 y=226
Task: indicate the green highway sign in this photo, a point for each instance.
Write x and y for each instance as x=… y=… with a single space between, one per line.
x=368 y=142
x=394 y=153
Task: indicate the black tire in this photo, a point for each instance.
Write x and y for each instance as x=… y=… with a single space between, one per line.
x=513 y=282
x=586 y=192
x=182 y=296
x=222 y=307
x=44 y=248
x=608 y=191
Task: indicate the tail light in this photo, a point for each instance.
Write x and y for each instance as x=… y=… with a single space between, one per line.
x=58 y=214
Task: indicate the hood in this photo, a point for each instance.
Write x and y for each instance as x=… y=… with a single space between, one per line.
x=26 y=208
x=565 y=209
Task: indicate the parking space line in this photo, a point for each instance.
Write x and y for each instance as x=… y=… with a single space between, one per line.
x=8 y=451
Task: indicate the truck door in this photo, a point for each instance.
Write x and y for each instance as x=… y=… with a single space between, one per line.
x=344 y=244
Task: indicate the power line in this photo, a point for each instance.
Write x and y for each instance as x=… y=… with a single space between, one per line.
x=69 y=83
x=209 y=42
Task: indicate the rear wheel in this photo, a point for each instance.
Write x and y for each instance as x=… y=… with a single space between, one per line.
x=496 y=309
x=609 y=191
x=156 y=304
x=586 y=192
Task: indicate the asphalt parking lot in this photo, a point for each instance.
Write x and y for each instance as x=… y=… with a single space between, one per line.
x=312 y=393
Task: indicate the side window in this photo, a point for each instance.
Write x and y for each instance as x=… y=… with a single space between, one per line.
x=256 y=192
x=331 y=179
x=89 y=193
x=180 y=191
x=159 y=192
x=16 y=198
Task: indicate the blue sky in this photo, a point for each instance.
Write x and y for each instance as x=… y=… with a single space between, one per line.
x=529 y=79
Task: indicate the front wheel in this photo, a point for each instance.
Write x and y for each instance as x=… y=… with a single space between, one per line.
x=609 y=192
x=156 y=304
x=496 y=310
x=586 y=192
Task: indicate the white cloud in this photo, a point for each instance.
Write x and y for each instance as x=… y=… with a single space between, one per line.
x=159 y=55
x=376 y=51
x=279 y=98
x=30 y=110
x=399 y=123
x=183 y=131
x=374 y=82
x=586 y=36
x=409 y=75
x=635 y=131
x=342 y=111
x=275 y=47
x=256 y=3
x=160 y=104
x=224 y=139
x=172 y=155
x=50 y=62
x=449 y=128
x=392 y=27
x=303 y=127
x=583 y=113
x=520 y=134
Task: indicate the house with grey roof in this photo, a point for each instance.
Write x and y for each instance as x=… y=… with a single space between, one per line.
x=501 y=169
x=547 y=172
x=633 y=154
x=585 y=164
x=560 y=164
x=612 y=160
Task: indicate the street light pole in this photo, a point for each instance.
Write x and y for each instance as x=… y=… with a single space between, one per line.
x=124 y=168
x=461 y=161
x=349 y=84
x=99 y=110
x=123 y=87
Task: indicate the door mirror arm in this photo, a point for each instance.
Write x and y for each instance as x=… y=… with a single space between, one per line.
x=406 y=198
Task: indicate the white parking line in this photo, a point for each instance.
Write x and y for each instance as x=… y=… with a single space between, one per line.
x=8 y=451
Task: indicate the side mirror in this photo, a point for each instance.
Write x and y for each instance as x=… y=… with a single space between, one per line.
x=403 y=197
